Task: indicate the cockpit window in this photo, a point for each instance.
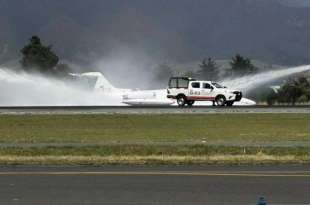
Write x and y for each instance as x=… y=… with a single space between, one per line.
x=217 y=85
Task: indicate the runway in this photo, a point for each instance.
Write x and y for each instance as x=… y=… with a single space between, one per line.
x=195 y=185
x=150 y=109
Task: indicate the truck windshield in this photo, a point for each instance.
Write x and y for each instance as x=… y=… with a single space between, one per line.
x=217 y=85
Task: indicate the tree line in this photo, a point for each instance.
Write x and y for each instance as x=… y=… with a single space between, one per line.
x=41 y=58
x=239 y=66
x=209 y=70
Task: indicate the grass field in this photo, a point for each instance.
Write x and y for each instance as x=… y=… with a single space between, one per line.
x=159 y=136
x=154 y=128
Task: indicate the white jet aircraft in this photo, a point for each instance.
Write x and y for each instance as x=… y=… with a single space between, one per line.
x=134 y=97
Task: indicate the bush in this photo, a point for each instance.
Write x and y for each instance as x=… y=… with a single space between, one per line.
x=294 y=90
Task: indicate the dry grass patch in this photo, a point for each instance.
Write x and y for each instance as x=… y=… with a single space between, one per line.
x=154 y=159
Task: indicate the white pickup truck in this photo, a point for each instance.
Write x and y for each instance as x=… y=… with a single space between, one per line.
x=188 y=90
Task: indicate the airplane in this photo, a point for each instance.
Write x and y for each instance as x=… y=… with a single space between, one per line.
x=97 y=82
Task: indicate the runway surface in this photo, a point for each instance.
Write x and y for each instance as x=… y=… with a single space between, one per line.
x=150 y=110
x=122 y=185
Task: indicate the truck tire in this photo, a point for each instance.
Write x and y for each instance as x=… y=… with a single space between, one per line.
x=220 y=100
x=181 y=100
x=190 y=102
x=230 y=103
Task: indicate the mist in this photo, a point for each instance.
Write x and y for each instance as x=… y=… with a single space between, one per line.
x=127 y=68
x=24 y=89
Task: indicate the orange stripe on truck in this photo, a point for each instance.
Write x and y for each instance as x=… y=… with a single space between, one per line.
x=200 y=98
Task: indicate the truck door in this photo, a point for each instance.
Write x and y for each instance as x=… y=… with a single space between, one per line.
x=207 y=91
x=195 y=90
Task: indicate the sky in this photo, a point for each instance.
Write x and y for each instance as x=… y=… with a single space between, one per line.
x=142 y=33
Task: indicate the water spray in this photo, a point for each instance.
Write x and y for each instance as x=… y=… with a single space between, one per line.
x=250 y=82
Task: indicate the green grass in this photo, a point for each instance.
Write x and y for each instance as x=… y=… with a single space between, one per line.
x=154 y=128
x=195 y=138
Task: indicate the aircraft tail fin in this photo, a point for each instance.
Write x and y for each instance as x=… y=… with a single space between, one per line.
x=100 y=82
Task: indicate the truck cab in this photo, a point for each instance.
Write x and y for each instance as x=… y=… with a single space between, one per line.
x=188 y=90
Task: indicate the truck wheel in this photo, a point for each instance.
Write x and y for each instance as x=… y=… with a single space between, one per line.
x=220 y=100
x=181 y=100
x=230 y=103
x=190 y=102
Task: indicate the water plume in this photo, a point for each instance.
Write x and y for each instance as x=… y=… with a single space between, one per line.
x=23 y=89
x=250 y=82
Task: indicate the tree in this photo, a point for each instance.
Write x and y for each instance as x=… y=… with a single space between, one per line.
x=289 y=93
x=37 y=57
x=242 y=66
x=294 y=90
x=208 y=69
x=271 y=97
